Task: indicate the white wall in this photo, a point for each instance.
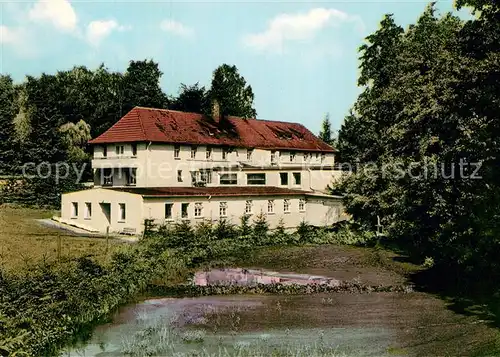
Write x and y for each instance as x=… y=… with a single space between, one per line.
x=318 y=211
x=157 y=166
x=98 y=220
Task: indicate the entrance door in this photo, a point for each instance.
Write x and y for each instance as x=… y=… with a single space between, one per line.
x=106 y=209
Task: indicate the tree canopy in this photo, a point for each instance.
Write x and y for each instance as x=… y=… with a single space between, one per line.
x=50 y=118
x=231 y=90
x=325 y=133
x=426 y=119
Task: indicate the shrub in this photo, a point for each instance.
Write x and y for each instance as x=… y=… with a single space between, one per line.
x=225 y=230
x=279 y=235
x=304 y=231
x=182 y=235
x=260 y=229
x=245 y=229
x=204 y=231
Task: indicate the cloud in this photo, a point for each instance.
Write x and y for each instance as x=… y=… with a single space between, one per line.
x=10 y=36
x=297 y=27
x=176 y=28
x=59 y=13
x=19 y=40
x=100 y=29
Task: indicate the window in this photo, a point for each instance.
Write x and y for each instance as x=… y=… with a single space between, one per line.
x=194 y=177
x=105 y=151
x=292 y=156
x=177 y=151
x=74 y=209
x=224 y=154
x=270 y=206
x=249 y=154
x=123 y=213
x=198 y=209
x=302 y=205
x=134 y=149
x=206 y=176
x=273 y=157
x=184 y=210
x=286 y=206
x=208 y=153
x=107 y=177
x=256 y=179
x=168 y=210
x=88 y=210
x=248 y=207
x=322 y=157
x=179 y=175
x=119 y=149
x=297 y=178
x=284 y=178
x=132 y=177
x=228 y=179
x=306 y=156
x=223 y=209
x=317 y=156
x=193 y=152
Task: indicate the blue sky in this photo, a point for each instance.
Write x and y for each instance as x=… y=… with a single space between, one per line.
x=300 y=57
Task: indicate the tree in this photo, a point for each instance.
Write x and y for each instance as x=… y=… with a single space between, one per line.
x=7 y=131
x=425 y=93
x=141 y=86
x=75 y=138
x=191 y=99
x=326 y=131
x=361 y=135
x=230 y=89
x=45 y=116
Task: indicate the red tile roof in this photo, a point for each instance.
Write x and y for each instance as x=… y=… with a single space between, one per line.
x=210 y=191
x=169 y=126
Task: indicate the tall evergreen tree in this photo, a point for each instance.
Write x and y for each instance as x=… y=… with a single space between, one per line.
x=231 y=90
x=326 y=130
x=8 y=150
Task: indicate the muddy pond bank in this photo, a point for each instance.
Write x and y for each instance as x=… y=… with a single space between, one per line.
x=342 y=323
x=375 y=324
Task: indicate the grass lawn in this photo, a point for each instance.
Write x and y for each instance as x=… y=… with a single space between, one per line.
x=24 y=241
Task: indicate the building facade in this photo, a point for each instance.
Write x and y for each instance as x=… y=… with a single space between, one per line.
x=167 y=166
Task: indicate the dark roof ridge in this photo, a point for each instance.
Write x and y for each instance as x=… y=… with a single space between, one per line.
x=229 y=116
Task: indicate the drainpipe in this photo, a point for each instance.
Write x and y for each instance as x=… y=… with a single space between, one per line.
x=147 y=161
x=209 y=197
x=310 y=186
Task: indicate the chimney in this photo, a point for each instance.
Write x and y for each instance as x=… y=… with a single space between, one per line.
x=215 y=110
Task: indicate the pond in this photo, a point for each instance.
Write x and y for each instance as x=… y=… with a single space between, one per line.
x=329 y=324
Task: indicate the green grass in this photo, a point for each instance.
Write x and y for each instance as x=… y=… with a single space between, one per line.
x=24 y=241
x=158 y=338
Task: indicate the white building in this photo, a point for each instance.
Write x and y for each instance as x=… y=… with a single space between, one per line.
x=167 y=165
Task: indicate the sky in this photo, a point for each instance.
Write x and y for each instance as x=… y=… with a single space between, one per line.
x=300 y=57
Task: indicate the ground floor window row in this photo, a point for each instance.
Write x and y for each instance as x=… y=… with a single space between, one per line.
x=87 y=214
x=198 y=211
x=225 y=210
